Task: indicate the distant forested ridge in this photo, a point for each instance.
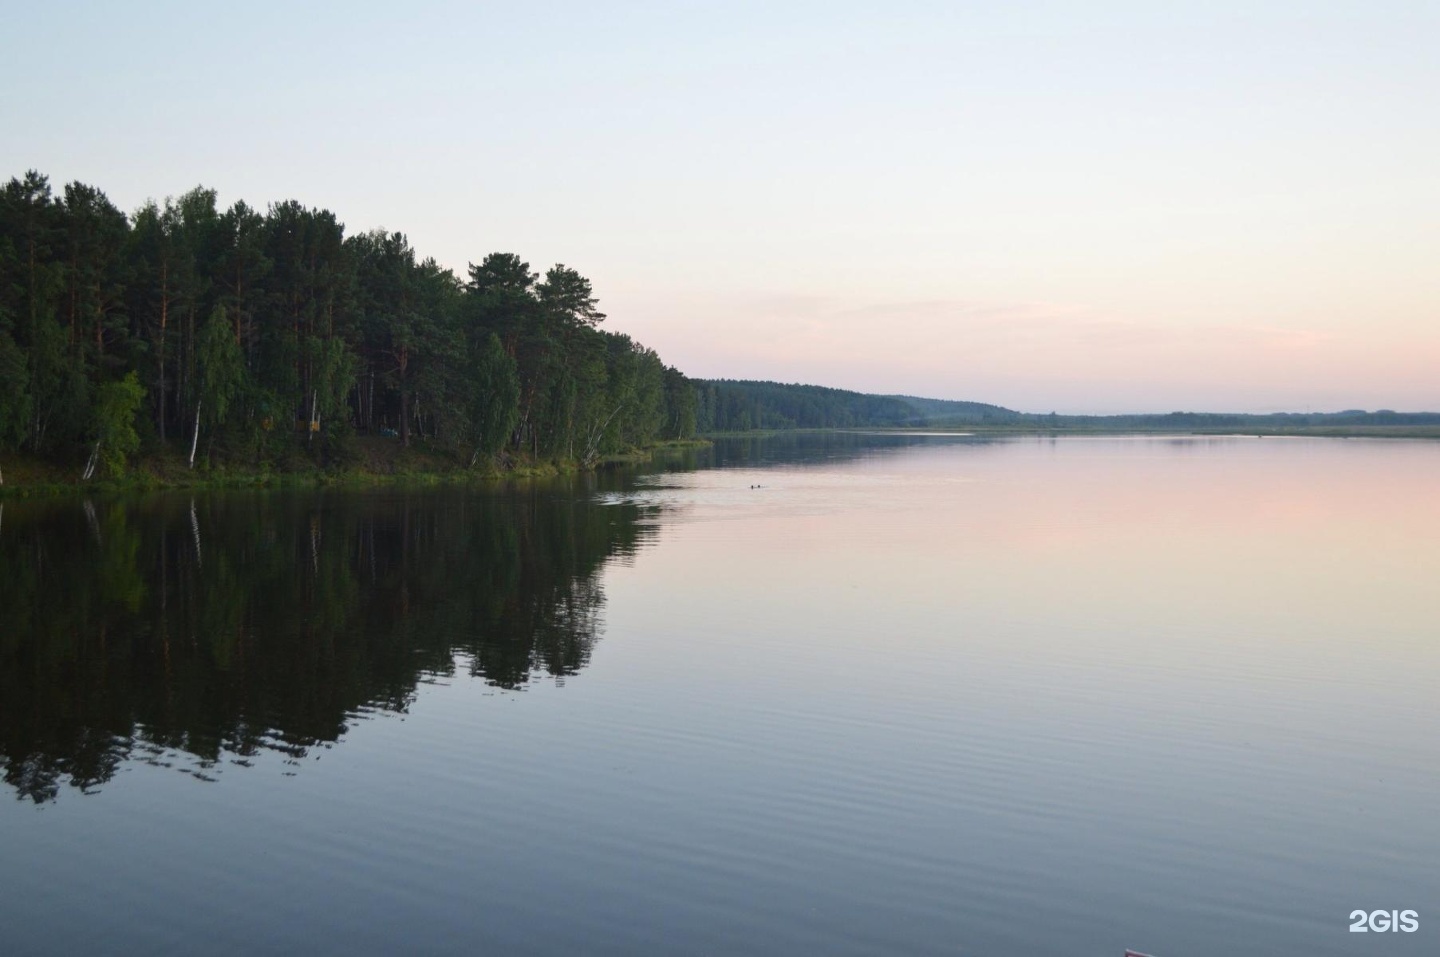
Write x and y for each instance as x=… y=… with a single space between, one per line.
x=243 y=334
x=731 y=405
x=727 y=405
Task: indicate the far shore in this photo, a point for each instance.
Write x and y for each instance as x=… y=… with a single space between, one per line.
x=1317 y=431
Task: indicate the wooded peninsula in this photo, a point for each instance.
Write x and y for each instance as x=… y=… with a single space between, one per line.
x=236 y=338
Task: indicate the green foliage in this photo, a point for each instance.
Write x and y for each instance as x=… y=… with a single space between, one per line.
x=116 y=404
x=333 y=369
x=566 y=296
x=59 y=390
x=222 y=368
x=680 y=405
x=14 y=393
x=276 y=326
x=494 y=397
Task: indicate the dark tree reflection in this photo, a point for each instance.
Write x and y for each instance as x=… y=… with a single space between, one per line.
x=225 y=625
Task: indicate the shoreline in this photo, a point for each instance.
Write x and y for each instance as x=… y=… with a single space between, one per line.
x=29 y=477
x=382 y=465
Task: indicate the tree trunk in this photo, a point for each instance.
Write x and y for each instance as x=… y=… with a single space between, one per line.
x=195 y=437
x=314 y=422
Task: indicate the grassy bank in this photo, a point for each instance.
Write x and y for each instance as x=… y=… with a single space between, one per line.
x=367 y=461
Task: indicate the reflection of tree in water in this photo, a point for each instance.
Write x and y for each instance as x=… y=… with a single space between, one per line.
x=203 y=631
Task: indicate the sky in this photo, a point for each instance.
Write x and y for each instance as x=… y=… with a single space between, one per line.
x=1078 y=207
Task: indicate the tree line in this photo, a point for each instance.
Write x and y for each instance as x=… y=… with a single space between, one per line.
x=238 y=334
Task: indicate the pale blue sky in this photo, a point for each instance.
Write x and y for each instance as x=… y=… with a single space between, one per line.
x=1086 y=207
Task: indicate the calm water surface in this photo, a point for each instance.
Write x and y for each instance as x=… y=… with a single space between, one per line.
x=908 y=695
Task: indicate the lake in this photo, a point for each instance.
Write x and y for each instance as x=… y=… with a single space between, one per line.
x=839 y=694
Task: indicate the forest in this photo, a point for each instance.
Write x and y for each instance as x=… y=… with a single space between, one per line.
x=244 y=337
x=725 y=405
